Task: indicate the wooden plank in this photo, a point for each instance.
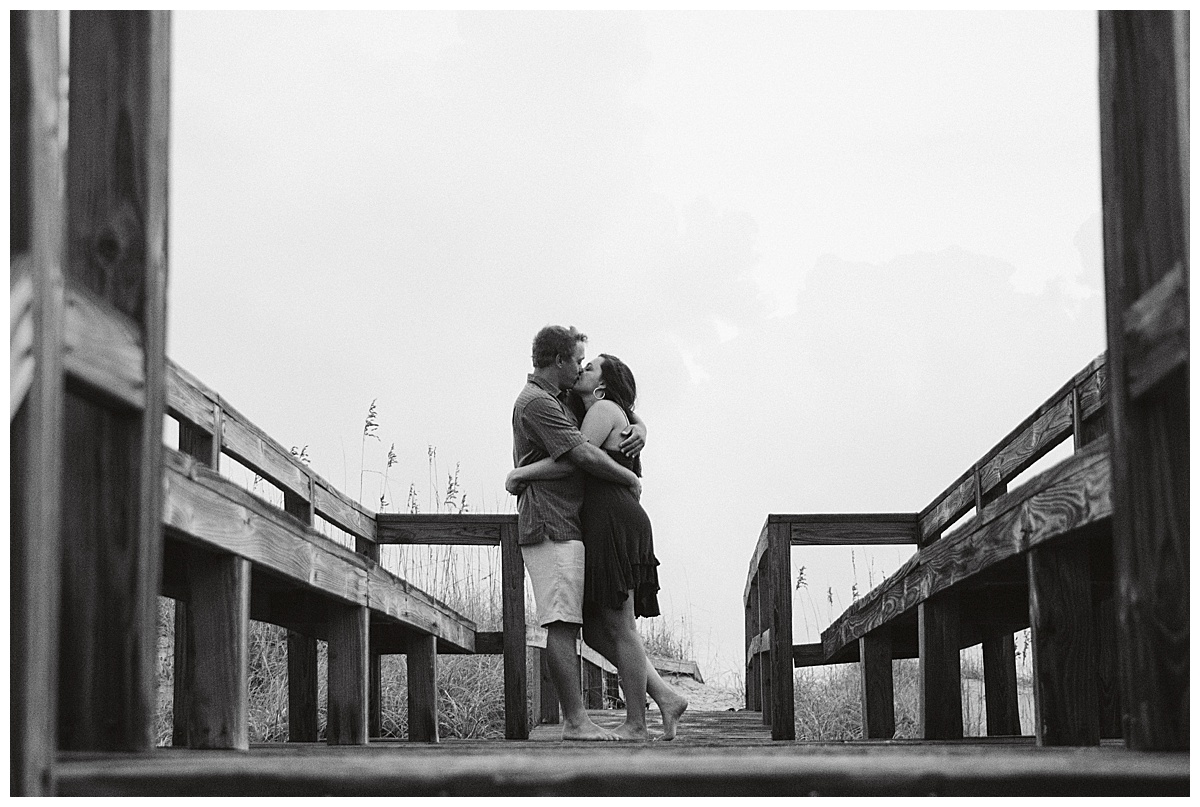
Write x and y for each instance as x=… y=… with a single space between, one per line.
x=1108 y=681
x=512 y=581
x=103 y=350
x=1144 y=67
x=116 y=250
x=341 y=511
x=548 y=707
x=250 y=446
x=779 y=570
x=201 y=445
x=941 y=677
x=764 y=658
x=302 y=688
x=878 y=697
x=218 y=652
x=677 y=666
x=422 y=689
x=760 y=549
x=852 y=529
x=1156 y=333
x=492 y=642
x=189 y=401
x=1000 y=685
x=1064 y=646
x=593 y=685
x=413 y=608
x=1026 y=448
x=37 y=242
x=180 y=696
x=375 y=692
x=346 y=694
x=1068 y=497
x=751 y=634
x=590 y=656
x=461 y=530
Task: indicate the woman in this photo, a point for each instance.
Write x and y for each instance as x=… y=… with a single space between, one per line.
x=620 y=570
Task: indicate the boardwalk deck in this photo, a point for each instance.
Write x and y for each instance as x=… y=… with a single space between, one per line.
x=716 y=754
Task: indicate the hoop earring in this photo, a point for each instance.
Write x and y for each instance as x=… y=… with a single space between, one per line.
x=598 y=394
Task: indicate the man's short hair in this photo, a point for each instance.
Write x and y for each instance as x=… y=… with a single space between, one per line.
x=554 y=341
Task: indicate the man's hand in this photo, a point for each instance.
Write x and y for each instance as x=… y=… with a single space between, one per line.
x=637 y=490
x=633 y=440
x=513 y=485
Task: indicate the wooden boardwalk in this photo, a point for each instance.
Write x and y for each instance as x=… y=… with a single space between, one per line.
x=716 y=754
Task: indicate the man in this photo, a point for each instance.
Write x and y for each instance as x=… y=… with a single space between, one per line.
x=548 y=525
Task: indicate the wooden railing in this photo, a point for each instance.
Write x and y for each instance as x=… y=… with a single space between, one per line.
x=883 y=625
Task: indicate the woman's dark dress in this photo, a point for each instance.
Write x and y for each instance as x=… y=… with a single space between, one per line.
x=618 y=546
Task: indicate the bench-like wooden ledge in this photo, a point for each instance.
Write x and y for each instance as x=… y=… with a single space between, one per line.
x=204 y=509
x=1071 y=496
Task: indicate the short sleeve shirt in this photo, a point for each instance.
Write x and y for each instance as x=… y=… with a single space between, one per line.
x=542 y=427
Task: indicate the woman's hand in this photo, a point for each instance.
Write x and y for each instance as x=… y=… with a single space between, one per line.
x=636 y=487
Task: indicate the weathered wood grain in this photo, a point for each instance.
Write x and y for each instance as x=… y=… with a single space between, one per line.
x=760 y=549
x=676 y=666
x=346 y=695
x=37 y=242
x=189 y=401
x=779 y=577
x=218 y=652
x=1144 y=90
x=548 y=710
x=878 y=696
x=1066 y=701
x=1000 y=685
x=250 y=446
x=103 y=349
x=1068 y=497
x=512 y=579
x=422 y=690
x=340 y=510
x=852 y=529
x=412 y=607
x=302 y=688
x=941 y=676
x=1156 y=333
x=471 y=529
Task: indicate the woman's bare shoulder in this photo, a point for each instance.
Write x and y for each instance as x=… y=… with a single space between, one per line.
x=606 y=410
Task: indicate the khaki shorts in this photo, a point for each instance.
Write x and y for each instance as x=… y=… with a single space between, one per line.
x=556 y=571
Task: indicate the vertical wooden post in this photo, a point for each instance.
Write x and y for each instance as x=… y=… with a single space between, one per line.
x=1144 y=150
x=593 y=686
x=205 y=447
x=753 y=628
x=422 y=688
x=512 y=571
x=218 y=647
x=302 y=688
x=37 y=245
x=550 y=712
x=878 y=696
x=1064 y=655
x=116 y=255
x=346 y=702
x=766 y=693
x=783 y=701
x=941 y=676
x=1000 y=685
x=374 y=661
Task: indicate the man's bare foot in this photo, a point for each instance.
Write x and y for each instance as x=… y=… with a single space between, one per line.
x=672 y=709
x=631 y=733
x=588 y=731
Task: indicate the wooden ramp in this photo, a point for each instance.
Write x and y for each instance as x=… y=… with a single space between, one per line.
x=716 y=754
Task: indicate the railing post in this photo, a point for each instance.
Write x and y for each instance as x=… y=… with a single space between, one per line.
x=753 y=629
x=878 y=695
x=218 y=643
x=1000 y=685
x=783 y=702
x=116 y=200
x=346 y=709
x=37 y=244
x=422 y=688
x=548 y=705
x=302 y=688
x=764 y=654
x=941 y=675
x=516 y=709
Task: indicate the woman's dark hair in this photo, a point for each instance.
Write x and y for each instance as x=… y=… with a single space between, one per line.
x=554 y=341
x=621 y=389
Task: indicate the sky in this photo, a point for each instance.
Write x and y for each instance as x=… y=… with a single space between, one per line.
x=843 y=253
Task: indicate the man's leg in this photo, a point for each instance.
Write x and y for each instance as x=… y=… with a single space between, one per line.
x=564 y=671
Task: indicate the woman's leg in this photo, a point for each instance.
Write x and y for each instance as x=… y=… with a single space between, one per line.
x=631 y=665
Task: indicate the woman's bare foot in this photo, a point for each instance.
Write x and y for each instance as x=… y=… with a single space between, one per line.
x=672 y=708
x=588 y=731
x=629 y=732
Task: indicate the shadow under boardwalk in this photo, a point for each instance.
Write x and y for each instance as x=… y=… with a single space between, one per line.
x=716 y=754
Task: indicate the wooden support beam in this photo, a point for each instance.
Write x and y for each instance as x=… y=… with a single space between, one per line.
x=753 y=629
x=878 y=696
x=375 y=693
x=37 y=245
x=116 y=197
x=548 y=706
x=1064 y=646
x=217 y=665
x=593 y=685
x=779 y=585
x=1108 y=679
x=422 y=689
x=303 y=696
x=460 y=530
x=941 y=676
x=180 y=697
x=764 y=616
x=512 y=572
x=1000 y=685
x=346 y=707
x=1144 y=148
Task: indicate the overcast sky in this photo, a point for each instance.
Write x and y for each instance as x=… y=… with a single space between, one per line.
x=843 y=253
